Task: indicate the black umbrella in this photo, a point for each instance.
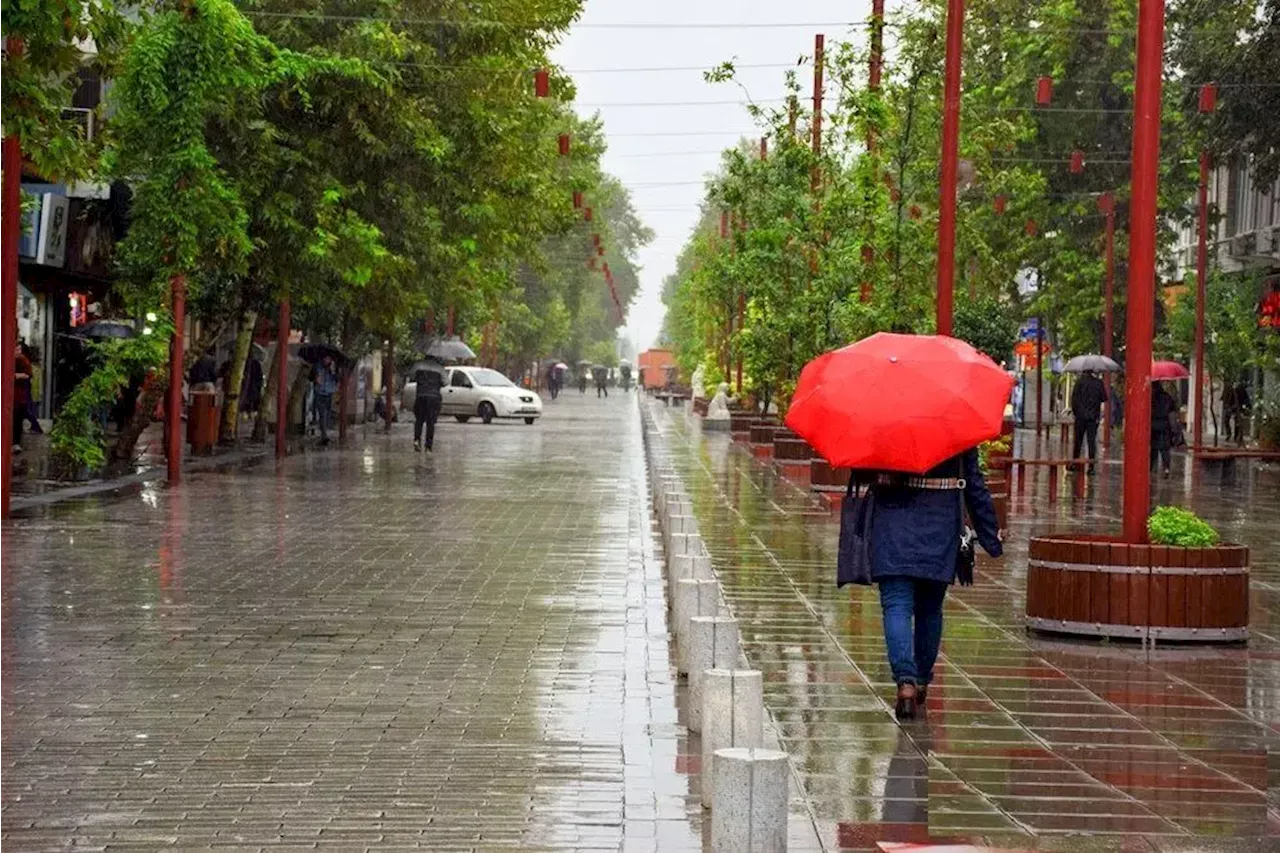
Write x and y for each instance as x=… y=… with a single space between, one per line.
x=100 y=330
x=317 y=352
x=425 y=364
x=450 y=349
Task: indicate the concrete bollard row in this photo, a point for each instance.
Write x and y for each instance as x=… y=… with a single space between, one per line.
x=746 y=787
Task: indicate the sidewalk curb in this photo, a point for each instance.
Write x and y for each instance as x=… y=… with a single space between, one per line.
x=193 y=465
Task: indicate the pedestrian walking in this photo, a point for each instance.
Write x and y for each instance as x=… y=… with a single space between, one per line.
x=1164 y=408
x=429 y=379
x=1086 y=407
x=32 y=412
x=907 y=413
x=251 y=386
x=582 y=381
x=601 y=375
x=21 y=394
x=919 y=547
x=324 y=386
x=203 y=376
x=553 y=381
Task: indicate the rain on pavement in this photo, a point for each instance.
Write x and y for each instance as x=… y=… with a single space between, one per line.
x=367 y=648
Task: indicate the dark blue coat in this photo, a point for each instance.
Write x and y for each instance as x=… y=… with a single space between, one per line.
x=915 y=532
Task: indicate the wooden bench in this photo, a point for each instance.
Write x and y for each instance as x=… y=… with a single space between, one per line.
x=1017 y=471
x=1230 y=454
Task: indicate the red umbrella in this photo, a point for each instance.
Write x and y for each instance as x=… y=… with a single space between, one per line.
x=1162 y=370
x=899 y=402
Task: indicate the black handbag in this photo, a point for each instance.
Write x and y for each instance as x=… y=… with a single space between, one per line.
x=966 y=551
x=857 y=512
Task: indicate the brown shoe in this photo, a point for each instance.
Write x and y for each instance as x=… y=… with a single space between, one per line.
x=922 y=693
x=906 y=707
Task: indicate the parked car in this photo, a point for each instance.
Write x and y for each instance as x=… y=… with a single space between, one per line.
x=478 y=392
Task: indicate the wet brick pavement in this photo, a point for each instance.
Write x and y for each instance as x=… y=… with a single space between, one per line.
x=1029 y=743
x=365 y=648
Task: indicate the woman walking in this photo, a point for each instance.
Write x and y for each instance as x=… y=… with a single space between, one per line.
x=915 y=542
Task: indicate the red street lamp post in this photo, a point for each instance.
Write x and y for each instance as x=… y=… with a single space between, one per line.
x=1142 y=270
x=1208 y=100
x=950 y=165
x=10 y=233
x=1107 y=204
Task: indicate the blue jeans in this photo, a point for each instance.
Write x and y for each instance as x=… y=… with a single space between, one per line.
x=912 y=648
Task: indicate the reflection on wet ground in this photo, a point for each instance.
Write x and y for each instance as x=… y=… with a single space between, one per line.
x=366 y=648
x=1029 y=742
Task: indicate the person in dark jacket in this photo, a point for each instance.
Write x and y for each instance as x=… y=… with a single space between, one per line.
x=251 y=386
x=915 y=537
x=1163 y=408
x=1086 y=407
x=426 y=402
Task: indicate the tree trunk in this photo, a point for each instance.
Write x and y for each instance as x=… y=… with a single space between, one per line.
x=389 y=378
x=297 y=396
x=229 y=431
x=122 y=455
x=267 y=409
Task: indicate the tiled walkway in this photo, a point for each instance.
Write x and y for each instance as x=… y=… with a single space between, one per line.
x=367 y=648
x=1029 y=743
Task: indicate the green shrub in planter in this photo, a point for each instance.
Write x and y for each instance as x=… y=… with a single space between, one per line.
x=1171 y=525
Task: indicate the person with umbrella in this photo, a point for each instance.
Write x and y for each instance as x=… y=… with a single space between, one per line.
x=601 y=374
x=1164 y=409
x=429 y=379
x=324 y=386
x=1086 y=407
x=907 y=412
x=553 y=380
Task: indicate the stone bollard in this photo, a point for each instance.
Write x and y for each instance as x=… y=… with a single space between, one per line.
x=679 y=567
x=750 y=792
x=689 y=544
x=732 y=715
x=700 y=566
x=694 y=597
x=713 y=644
x=678 y=523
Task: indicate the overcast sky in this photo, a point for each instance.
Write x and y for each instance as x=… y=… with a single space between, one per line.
x=648 y=120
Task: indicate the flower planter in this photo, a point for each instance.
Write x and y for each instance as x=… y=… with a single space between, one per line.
x=788 y=447
x=823 y=477
x=1100 y=587
x=998 y=485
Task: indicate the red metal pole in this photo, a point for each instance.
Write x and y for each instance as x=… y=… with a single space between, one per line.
x=950 y=162
x=819 y=42
x=764 y=148
x=282 y=380
x=10 y=229
x=1108 y=323
x=1202 y=272
x=1142 y=269
x=173 y=412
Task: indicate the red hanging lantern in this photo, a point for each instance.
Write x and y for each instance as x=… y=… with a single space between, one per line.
x=577 y=200
x=586 y=215
x=894 y=195
x=1106 y=203
x=600 y=250
x=605 y=267
x=1044 y=91
x=916 y=213
x=542 y=83
x=564 y=145
x=1031 y=228
x=1208 y=97
x=724 y=224
x=868 y=254
x=999 y=204
x=591 y=264
x=1077 y=162
x=595 y=239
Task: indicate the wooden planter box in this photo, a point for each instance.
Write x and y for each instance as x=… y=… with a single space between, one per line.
x=823 y=477
x=998 y=485
x=700 y=405
x=1097 y=586
x=763 y=432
